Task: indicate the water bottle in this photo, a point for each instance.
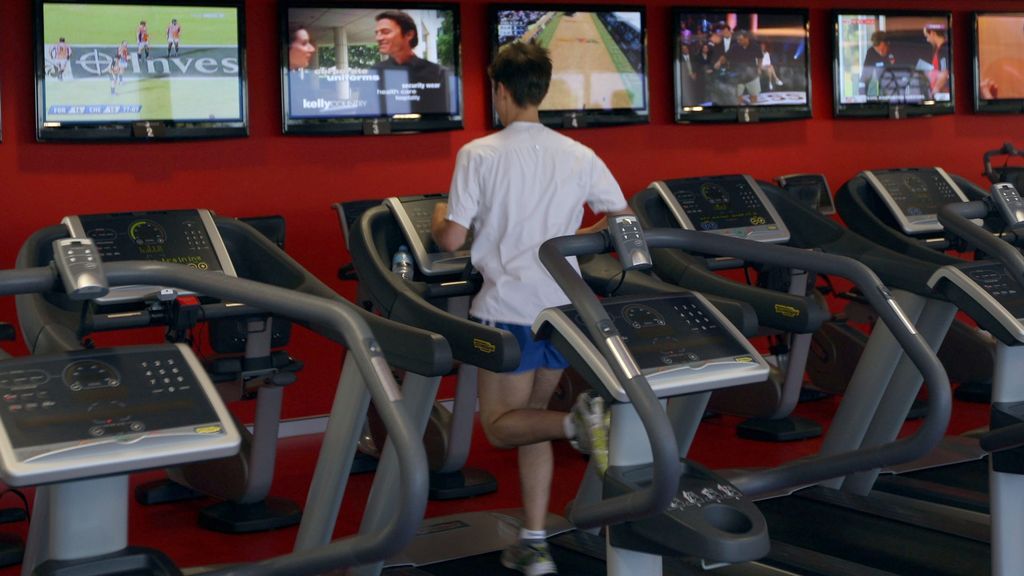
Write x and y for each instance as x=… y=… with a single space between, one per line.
x=401 y=264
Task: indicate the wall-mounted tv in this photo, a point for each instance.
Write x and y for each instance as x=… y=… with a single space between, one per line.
x=893 y=64
x=370 y=68
x=116 y=70
x=740 y=65
x=999 y=62
x=599 y=58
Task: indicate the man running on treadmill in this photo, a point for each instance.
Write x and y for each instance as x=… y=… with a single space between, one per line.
x=516 y=189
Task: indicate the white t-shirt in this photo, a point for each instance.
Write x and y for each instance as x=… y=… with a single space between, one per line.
x=516 y=189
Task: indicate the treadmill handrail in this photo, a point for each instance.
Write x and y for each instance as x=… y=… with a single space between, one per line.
x=407 y=347
x=775 y=309
x=665 y=463
x=956 y=218
x=1007 y=149
x=823 y=467
x=333 y=320
x=402 y=301
x=1000 y=439
x=43 y=322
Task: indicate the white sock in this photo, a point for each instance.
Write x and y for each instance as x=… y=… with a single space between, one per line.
x=568 y=426
x=525 y=534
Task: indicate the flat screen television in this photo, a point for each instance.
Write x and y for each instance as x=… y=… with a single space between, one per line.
x=999 y=62
x=893 y=64
x=740 y=65
x=599 y=58
x=115 y=70
x=361 y=68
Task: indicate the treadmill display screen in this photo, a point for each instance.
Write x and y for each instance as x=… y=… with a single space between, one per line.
x=917 y=192
x=721 y=204
x=811 y=190
x=177 y=237
x=93 y=396
x=350 y=213
x=668 y=331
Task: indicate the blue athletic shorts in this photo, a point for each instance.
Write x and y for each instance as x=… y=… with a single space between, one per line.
x=533 y=354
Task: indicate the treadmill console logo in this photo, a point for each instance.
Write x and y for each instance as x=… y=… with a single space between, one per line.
x=787 y=311
x=484 y=346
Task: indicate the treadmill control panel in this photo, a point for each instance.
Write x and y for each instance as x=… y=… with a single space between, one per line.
x=414 y=215
x=187 y=237
x=914 y=196
x=993 y=278
x=663 y=332
x=731 y=205
x=679 y=342
x=74 y=406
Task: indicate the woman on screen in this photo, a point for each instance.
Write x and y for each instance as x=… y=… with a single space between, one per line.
x=767 y=69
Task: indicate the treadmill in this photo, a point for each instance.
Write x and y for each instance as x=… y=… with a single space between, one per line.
x=877 y=533
x=942 y=507
x=427 y=301
x=680 y=344
x=210 y=245
x=77 y=422
x=661 y=340
x=449 y=433
x=438 y=298
x=444 y=284
x=736 y=206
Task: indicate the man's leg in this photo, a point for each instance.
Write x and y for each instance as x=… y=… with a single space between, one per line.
x=754 y=89
x=536 y=462
x=513 y=412
x=506 y=414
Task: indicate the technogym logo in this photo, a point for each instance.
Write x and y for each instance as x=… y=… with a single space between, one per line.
x=199 y=61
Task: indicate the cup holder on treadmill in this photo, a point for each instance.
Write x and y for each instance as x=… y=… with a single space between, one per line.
x=727 y=519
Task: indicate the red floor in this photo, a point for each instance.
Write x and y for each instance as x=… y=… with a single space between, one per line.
x=172 y=527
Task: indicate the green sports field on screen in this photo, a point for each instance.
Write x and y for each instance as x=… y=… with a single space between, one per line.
x=112 y=76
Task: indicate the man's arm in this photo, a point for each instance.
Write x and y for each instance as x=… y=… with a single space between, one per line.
x=448 y=235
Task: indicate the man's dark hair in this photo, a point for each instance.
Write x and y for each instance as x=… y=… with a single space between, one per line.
x=937 y=29
x=525 y=71
x=878 y=36
x=404 y=21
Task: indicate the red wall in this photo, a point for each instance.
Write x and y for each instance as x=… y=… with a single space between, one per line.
x=300 y=177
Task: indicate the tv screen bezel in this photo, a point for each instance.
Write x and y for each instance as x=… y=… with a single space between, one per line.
x=726 y=114
x=365 y=124
x=887 y=109
x=140 y=130
x=998 y=106
x=586 y=118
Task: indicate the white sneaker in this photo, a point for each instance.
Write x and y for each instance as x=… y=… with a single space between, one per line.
x=591 y=421
x=530 y=558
